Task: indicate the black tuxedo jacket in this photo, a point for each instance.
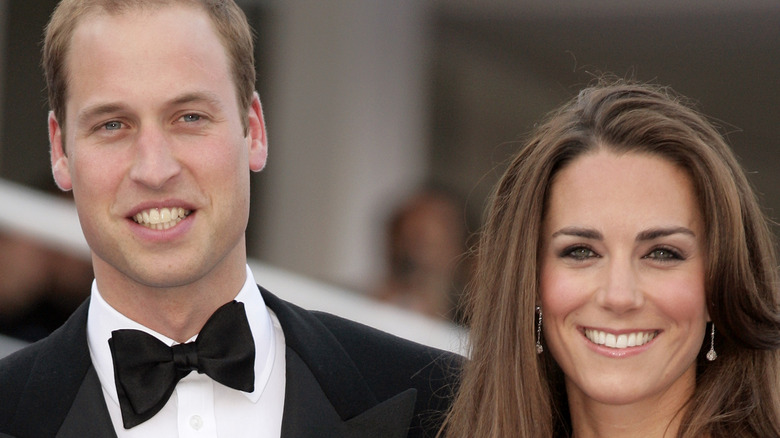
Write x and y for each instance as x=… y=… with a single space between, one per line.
x=343 y=380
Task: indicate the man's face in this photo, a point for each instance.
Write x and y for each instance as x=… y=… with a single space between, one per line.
x=157 y=155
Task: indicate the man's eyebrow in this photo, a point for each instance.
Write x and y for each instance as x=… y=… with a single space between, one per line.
x=655 y=233
x=98 y=110
x=196 y=96
x=586 y=233
x=114 y=107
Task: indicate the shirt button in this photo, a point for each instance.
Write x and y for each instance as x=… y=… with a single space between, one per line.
x=196 y=422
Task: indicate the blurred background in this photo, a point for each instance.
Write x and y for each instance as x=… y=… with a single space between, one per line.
x=389 y=121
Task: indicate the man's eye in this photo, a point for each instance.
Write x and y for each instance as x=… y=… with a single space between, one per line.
x=112 y=125
x=191 y=117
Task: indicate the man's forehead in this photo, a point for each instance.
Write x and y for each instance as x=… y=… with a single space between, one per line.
x=116 y=9
x=98 y=27
x=111 y=60
x=119 y=7
x=95 y=11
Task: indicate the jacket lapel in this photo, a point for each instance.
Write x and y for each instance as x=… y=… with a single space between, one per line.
x=88 y=416
x=76 y=407
x=325 y=394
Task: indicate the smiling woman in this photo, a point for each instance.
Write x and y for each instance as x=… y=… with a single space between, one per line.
x=637 y=296
x=622 y=257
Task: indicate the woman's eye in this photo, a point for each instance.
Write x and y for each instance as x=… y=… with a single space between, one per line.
x=663 y=254
x=580 y=253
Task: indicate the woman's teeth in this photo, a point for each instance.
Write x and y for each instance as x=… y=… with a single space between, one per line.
x=619 y=341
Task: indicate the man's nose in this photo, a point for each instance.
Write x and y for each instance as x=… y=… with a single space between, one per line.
x=154 y=162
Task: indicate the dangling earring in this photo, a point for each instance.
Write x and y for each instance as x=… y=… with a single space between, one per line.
x=712 y=355
x=539 y=348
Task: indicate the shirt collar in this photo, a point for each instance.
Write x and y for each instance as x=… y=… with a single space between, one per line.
x=102 y=319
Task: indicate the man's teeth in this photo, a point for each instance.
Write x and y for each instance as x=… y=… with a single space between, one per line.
x=619 y=341
x=161 y=218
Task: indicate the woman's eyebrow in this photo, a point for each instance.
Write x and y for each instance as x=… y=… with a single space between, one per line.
x=655 y=233
x=586 y=233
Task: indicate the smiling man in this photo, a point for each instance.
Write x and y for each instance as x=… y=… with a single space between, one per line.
x=155 y=127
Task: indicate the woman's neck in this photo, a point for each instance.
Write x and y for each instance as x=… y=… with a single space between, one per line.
x=658 y=416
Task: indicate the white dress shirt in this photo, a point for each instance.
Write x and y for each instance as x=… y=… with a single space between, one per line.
x=199 y=406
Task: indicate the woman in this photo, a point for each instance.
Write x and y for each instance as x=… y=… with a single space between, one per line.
x=626 y=283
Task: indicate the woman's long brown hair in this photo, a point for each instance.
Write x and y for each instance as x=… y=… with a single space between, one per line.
x=507 y=390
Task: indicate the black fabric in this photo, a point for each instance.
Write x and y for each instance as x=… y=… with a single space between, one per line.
x=309 y=413
x=375 y=366
x=147 y=371
x=88 y=399
x=39 y=384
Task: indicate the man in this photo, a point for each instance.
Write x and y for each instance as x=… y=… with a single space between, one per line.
x=154 y=126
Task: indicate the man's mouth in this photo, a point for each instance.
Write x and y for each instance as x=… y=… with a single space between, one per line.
x=161 y=218
x=619 y=341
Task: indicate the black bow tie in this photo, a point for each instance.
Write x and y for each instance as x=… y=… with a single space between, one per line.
x=147 y=371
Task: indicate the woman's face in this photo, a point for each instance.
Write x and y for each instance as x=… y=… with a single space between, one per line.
x=622 y=279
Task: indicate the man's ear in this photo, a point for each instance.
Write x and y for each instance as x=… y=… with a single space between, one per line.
x=59 y=160
x=256 y=135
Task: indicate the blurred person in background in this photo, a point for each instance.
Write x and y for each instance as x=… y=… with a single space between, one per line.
x=39 y=287
x=425 y=247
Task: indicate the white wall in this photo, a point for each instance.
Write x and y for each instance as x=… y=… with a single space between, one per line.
x=348 y=137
